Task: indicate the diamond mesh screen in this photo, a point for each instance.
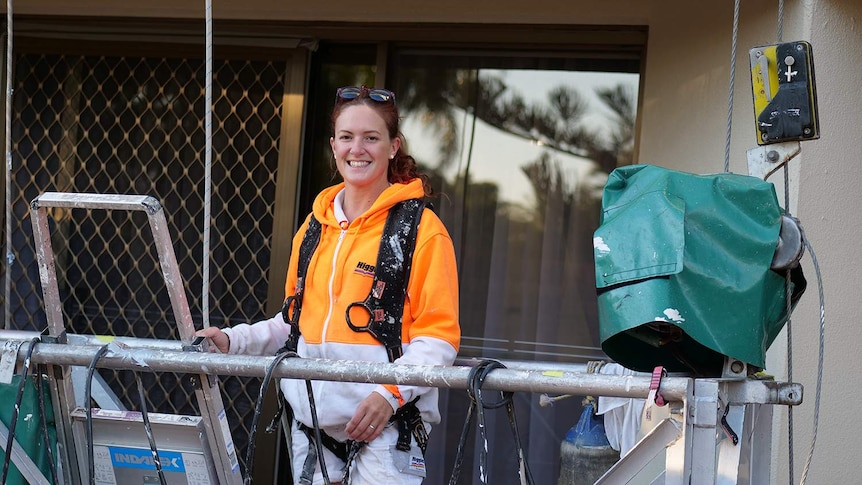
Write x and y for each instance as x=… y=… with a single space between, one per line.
x=124 y=125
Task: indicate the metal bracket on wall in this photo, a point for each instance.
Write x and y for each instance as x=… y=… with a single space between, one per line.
x=764 y=160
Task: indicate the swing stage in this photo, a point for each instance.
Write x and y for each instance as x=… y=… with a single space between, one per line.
x=718 y=424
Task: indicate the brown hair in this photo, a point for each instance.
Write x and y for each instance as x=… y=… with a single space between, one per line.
x=402 y=167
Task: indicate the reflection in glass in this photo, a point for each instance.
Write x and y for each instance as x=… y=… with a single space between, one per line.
x=519 y=151
x=520 y=158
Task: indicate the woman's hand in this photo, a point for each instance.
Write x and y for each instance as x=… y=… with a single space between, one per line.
x=219 y=339
x=371 y=416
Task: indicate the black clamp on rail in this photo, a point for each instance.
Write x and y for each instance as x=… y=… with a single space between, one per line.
x=198 y=344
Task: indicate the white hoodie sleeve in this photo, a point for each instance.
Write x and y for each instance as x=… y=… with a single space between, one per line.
x=262 y=338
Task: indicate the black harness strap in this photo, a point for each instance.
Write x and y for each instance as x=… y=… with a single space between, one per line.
x=409 y=421
x=386 y=301
x=337 y=448
x=293 y=305
x=391 y=274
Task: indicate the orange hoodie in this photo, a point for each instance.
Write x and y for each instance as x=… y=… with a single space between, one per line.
x=340 y=272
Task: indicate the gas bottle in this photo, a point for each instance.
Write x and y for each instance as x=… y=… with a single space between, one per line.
x=585 y=454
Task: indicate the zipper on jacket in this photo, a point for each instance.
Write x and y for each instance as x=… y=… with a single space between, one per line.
x=331 y=280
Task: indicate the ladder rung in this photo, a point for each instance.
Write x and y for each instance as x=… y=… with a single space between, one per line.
x=97 y=201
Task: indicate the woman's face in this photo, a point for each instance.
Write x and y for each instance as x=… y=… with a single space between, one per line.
x=362 y=148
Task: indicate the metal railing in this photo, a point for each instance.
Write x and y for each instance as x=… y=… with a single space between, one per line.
x=691 y=437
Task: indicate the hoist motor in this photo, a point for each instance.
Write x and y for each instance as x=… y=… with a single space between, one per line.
x=690 y=269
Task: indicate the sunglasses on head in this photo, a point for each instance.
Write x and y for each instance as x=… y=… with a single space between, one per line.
x=349 y=93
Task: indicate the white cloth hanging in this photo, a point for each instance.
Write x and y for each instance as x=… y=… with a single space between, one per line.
x=622 y=414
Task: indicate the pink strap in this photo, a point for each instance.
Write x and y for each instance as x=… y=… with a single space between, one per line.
x=655 y=384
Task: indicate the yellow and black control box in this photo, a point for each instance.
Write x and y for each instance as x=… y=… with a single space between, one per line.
x=785 y=97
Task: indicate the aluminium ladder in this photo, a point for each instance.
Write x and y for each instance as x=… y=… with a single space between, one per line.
x=72 y=442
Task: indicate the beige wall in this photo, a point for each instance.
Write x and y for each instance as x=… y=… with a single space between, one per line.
x=829 y=206
x=683 y=126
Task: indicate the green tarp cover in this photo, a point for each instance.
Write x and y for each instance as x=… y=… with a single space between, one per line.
x=28 y=430
x=683 y=269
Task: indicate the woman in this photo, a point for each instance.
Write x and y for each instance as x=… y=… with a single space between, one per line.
x=377 y=174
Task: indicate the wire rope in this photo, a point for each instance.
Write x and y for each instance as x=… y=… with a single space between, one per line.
x=10 y=256
x=780 y=20
x=477 y=406
x=319 y=440
x=258 y=409
x=145 y=416
x=788 y=286
x=821 y=346
x=88 y=393
x=734 y=40
x=89 y=420
x=788 y=289
x=208 y=95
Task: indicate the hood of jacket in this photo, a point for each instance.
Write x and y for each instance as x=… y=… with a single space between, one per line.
x=324 y=211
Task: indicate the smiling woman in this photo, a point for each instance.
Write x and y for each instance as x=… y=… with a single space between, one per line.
x=413 y=317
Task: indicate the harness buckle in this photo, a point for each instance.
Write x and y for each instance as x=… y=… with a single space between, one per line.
x=377 y=291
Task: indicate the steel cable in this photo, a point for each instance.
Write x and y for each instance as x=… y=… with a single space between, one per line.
x=208 y=96
x=734 y=40
x=10 y=256
x=477 y=406
x=821 y=346
x=249 y=459
x=787 y=286
x=281 y=355
x=318 y=440
x=88 y=393
x=145 y=416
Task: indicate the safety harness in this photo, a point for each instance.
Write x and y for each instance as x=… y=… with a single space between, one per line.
x=385 y=306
